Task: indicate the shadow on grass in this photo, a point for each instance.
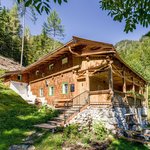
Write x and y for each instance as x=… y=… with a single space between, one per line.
x=17 y=118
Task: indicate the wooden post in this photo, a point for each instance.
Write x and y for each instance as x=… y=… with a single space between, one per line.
x=146 y=95
x=87 y=80
x=133 y=87
x=87 y=75
x=124 y=83
x=110 y=78
x=140 y=90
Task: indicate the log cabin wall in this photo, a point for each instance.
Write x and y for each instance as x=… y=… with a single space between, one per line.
x=55 y=77
x=51 y=67
x=56 y=82
x=18 y=78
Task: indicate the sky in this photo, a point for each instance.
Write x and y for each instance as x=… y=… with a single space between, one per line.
x=86 y=20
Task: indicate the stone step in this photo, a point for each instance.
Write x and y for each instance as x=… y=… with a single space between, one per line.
x=55 y=123
x=70 y=111
x=58 y=119
x=61 y=109
x=30 y=102
x=45 y=126
x=75 y=108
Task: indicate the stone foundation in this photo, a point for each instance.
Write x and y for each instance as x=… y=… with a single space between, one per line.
x=109 y=116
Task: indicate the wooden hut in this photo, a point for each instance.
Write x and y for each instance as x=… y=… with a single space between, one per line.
x=83 y=72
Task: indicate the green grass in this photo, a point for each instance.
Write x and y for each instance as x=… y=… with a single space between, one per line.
x=50 y=141
x=121 y=144
x=17 y=117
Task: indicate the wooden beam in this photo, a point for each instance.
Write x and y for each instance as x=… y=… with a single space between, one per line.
x=129 y=80
x=87 y=81
x=146 y=94
x=133 y=86
x=110 y=77
x=98 y=53
x=124 y=82
x=55 y=74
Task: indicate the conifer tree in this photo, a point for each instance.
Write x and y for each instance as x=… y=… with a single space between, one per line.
x=53 y=26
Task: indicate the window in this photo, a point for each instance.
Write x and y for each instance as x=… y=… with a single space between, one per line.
x=72 y=88
x=41 y=92
x=51 y=66
x=19 y=77
x=65 y=60
x=65 y=88
x=51 y=90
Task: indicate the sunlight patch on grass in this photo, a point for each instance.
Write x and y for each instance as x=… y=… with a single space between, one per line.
x=121 y=144
x=28 y=117
x=13 y=131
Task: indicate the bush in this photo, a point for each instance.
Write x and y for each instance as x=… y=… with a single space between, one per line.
x=71 y=131
x=100 y=131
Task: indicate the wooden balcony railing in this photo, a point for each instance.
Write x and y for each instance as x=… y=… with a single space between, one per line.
x=78 y=102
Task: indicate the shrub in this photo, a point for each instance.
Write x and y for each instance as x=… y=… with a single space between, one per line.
x=71 y=131
x=100 y=131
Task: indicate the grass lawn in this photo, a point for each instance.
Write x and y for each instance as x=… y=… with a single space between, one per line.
x=17 y=117
x=50 y=141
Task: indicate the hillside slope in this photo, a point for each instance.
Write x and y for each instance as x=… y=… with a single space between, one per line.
x=8 y=64
x=137 y=55
x=17 y=117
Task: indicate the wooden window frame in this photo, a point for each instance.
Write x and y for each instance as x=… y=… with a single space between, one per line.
x=19 y=77
x=64 y=60
x=72 y=87
x=41 y=94
x=64 y=90
x=51 y=92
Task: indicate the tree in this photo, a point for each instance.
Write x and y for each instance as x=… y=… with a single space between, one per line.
x=53 y=26
x=9 y=33
x=14 y=31
x=136 y=54
x=23 y=12
x=133 y=12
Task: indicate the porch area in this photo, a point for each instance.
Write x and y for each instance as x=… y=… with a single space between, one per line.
x=106 y=85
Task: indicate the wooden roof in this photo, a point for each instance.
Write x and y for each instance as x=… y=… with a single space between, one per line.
x=80 y=47
x=75 y=44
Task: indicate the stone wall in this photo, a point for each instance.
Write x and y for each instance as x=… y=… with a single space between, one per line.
x=111 y=117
